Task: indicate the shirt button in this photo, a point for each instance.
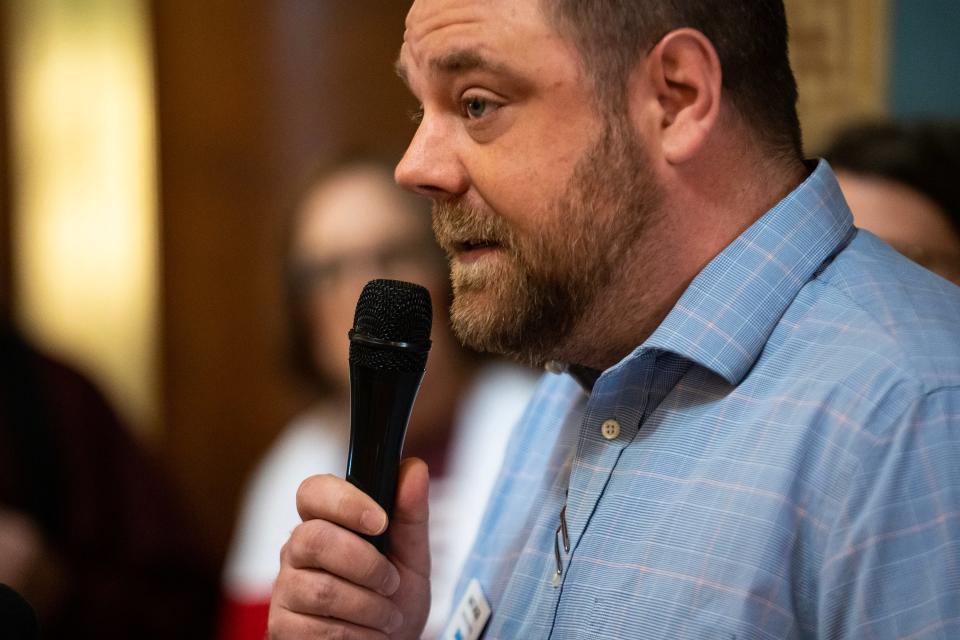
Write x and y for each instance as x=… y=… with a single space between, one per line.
x=610 y=429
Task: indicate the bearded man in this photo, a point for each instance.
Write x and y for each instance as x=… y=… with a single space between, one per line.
x=752 y=424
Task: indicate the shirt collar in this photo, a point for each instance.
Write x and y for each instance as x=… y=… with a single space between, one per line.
x=726 y=315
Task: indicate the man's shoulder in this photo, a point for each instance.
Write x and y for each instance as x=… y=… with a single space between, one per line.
x=878 y=308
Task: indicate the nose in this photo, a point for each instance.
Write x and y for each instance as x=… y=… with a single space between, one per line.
x=431 y=166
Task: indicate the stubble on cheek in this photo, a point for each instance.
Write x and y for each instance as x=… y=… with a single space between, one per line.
x=486 y=292
x=513 y=301
x=527 y=299
x=488 y=302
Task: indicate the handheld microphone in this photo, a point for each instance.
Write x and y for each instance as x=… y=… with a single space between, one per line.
x=389 y=344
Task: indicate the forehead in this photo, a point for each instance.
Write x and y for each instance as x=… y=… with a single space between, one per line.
x=358 y=209
x=490 y=29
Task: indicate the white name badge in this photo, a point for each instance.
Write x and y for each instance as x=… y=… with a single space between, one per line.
x=470 y=616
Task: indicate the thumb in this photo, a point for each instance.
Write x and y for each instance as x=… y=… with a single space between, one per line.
x=409 y=539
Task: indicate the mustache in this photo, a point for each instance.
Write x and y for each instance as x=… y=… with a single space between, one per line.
x=456 y=223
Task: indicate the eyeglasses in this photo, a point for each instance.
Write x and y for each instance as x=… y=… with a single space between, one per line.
x=391 y=261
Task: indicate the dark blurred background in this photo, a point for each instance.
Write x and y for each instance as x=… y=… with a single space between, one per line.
x=151 y=151
x=250 y=96
x=246 y=99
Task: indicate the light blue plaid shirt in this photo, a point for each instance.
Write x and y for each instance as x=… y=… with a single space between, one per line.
x=787 y=464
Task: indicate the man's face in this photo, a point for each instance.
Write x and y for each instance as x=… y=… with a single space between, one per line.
x=539 y=195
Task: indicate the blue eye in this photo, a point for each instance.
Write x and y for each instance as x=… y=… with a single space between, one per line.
x=475 y=107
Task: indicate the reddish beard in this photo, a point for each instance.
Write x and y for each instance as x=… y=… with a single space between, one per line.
x=526 y=299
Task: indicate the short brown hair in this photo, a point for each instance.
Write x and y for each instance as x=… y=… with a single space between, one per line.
x=750 y=37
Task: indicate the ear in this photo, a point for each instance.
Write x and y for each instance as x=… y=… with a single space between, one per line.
x=683 y=75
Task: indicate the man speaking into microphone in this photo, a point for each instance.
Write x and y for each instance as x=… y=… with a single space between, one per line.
x=751 y=428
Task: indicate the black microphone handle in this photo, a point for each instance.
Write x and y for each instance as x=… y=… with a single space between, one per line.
x=380 y=405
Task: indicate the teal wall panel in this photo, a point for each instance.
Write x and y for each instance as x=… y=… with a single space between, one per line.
x=925 y=78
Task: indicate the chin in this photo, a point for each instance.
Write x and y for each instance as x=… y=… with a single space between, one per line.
x=484 y=321
x=476 y=316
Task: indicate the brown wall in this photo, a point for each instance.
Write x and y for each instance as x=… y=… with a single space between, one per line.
x=249 y=96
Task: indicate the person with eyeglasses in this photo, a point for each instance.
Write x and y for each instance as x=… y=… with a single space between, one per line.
x=353 y=225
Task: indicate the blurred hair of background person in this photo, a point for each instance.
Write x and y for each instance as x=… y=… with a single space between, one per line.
x=90 y=532
x=354 y=225
x=902 y=182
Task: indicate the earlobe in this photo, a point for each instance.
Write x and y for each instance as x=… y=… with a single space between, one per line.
x=684 y=72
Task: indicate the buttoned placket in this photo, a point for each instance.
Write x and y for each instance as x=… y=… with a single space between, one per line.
x=610 y=423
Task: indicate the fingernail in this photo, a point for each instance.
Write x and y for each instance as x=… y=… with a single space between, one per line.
x=396 y=621
x=391 y=583
x=373 y=521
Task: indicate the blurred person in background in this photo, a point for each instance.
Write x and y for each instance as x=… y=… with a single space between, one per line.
x=353 y=225
x=90 y=531
x=903 y=183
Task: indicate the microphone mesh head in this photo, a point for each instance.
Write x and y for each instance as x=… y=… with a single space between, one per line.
x=394 y=311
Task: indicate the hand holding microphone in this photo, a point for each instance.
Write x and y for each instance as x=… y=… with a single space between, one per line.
x=333 y=577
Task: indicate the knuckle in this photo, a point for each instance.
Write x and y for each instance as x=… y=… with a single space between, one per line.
x=295 y=547
x=305 y=492
x=307 y=544
x=325 y=594
x=321 y=536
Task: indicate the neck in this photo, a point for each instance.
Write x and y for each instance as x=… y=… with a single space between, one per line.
x=701 y=215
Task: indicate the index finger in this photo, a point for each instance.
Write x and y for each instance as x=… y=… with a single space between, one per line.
x=330 y=498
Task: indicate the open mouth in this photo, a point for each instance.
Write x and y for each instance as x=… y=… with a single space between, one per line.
x=469 y=251
x=475 y=245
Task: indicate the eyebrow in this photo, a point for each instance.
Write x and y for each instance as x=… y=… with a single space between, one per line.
x=458 y=62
